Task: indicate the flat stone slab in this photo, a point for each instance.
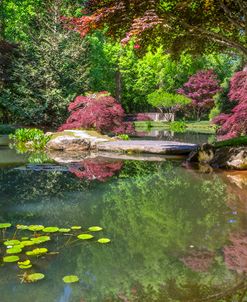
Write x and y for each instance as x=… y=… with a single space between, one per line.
x=148 y=146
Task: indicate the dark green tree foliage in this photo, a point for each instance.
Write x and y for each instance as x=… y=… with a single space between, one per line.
x=192 y=25
x=50 y=72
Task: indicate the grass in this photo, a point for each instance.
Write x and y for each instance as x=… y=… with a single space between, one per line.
x=234 y=142
x=191 y=126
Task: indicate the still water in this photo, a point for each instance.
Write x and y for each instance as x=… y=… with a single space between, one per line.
x=176 y=234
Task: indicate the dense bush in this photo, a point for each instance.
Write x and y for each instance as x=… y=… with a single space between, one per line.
x=201 y=89
x=235 y=123
x=99 y=111
x=35 y=138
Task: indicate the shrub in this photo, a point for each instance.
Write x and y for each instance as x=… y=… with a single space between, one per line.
x=235 y=123
x=201 y=88
x=7 y=129
x=178 y=126
x=99 y=111
x=35 y=137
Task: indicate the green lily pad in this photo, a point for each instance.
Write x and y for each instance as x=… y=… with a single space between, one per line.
x=25 y=266
x=14 y=250
x=5 y=225
x=75 y=227
x=21 y=227
x=11 y=259
x=85 y=236
x=40 y=239
x=27 y=243
x=26 y=262
x=11 y=242
x=36 y=228
x=70 y=279
x=104 y=240
x=95 y=229
x=64 y=230
x=35 y=277
x=50 y=229
x=37 y=252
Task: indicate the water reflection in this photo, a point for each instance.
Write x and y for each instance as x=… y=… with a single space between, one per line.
x=177 y=234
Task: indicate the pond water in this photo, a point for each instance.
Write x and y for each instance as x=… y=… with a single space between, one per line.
x=176 y=234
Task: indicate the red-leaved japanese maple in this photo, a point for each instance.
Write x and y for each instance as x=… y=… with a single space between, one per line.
x=201 y=88
x=235 y=123
x=92 y=169
x=99 y=111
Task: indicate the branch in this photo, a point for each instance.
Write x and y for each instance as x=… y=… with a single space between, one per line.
x=230 y=17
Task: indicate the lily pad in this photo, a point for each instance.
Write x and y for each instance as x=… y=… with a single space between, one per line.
x=64 y=230
x=104 y=240
x=76 y=227
x=24 y=238
x=35 y=277
x=50 y=229
x=27 y=243
x=26 y=262
x=5 y=225
x=36 y=228
x=37 y=252
x=40 y=239
x=70 y=279
x=14 y=250
x=21 y=227
x=25 y=266
x=85 y=236
x=11 y=259
x=11 y=242
x=95 y=229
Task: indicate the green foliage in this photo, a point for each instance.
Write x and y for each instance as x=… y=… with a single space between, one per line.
x=29 y=138
x=234 y=142
x=177 y=126
x=7 y=129
x=167 y=101
x=124 y=137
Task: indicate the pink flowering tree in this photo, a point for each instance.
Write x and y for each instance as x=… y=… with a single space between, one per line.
x=201 y=89
x=235 y=123
x=98 y=111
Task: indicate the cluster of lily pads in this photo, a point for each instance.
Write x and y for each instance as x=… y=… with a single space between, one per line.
x=24 y=245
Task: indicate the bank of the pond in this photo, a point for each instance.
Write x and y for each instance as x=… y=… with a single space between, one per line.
x=191 y=126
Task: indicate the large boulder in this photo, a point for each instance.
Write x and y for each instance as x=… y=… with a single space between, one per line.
x=75 y=140
x=228 y=157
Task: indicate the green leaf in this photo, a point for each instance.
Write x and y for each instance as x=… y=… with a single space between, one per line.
x=27 y=243
x=26 y=262
x=76 y=227
x=25 y=266
x=104 y=240
x=21 y=227
x=37 y=252
x=35 y=277
x=5 y=225
x=11 y=242
x=70 y=279
x=50 y=229
x=64 y=230
x=11 y=259
x=85 y=236
x=40 y=239
x=36 y=228
x=95 y=229
x=14 y=250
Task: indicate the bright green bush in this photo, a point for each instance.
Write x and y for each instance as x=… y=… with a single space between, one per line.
x=35 y=137
x=177 y=126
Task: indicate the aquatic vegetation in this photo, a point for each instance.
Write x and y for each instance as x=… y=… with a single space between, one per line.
x=70 y=279
x=104 y=240
x=16 y=243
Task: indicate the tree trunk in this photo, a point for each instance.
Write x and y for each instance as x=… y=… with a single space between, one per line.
x=118 y=79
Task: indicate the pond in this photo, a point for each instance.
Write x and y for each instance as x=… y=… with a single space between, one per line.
x=176 y=234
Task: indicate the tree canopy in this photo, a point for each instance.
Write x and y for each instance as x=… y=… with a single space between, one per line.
x=194 y=25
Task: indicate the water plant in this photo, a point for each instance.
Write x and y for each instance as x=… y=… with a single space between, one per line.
x=70 y=279
x=21 y=243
